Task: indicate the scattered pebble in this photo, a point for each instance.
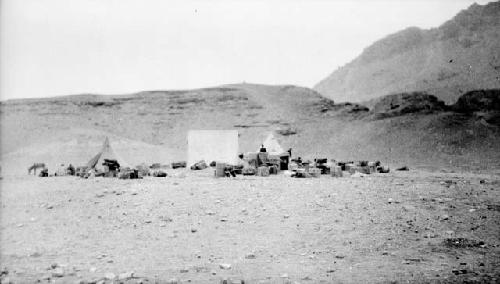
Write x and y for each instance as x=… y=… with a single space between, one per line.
x=225 y=266
x=110 y=276
x=173 y=281
x=58 y=272
x=250 y=256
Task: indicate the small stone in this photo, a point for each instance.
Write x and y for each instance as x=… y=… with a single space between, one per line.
x=184 y=270
x=250 y=256
x=210 y=213
x=445 y=217
x=390 y=200
x=225 y=266
x=126 y=275
x=58 y=272
x=110 y=276
x=286 y=216
x=36 y=254
x=193 y=230
x=173 y=281
x=472 y=210
x=213 y=272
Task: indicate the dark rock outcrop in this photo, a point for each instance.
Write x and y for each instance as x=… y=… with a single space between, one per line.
x=407 y=103
x=478 y=100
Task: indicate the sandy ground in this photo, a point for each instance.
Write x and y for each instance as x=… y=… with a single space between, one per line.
x=191 y=227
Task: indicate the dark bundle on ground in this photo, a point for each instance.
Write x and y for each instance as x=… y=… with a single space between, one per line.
x=158 y=173
x=112 y=165
x=201 y=165
x=463 y=243
x=129 y=174
x=176 y=165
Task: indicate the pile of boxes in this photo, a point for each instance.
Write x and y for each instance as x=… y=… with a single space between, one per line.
x=335 y=168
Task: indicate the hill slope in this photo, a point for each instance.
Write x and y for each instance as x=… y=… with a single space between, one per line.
x=461 y=55
x=152 y=127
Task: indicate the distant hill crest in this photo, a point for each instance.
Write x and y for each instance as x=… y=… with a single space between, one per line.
x=462 y=54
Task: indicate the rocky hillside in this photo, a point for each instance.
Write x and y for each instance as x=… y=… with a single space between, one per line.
x=152 y=127
x=461 y=55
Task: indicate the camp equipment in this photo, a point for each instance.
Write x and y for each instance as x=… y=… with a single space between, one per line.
x=263 y=171
x=107 y=159
x=212 y=145
x=314 y=172
x=220 y=169
x=336 y=171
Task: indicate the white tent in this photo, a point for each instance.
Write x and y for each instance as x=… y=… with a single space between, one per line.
x=212 y=145
x=272 y=146
x=108 y=153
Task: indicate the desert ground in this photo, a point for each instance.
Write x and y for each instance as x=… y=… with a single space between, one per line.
x=190 y=227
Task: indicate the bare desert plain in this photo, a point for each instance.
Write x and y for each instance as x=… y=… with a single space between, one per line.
x=402 y=227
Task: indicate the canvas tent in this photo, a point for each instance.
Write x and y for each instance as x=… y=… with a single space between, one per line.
x=272 y=146
x=108 y=153
x=212 y=145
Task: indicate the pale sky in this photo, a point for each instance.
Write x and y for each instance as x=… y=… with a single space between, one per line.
x=61 y=47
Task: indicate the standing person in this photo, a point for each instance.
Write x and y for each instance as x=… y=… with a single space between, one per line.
x=262 y=149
